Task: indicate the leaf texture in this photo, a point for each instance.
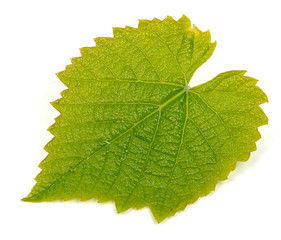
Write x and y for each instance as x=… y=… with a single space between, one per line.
x=132 y=131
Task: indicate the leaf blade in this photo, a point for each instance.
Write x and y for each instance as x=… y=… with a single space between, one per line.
x=132 y=131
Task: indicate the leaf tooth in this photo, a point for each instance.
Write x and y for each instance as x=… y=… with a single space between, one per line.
x=213 y=45
x=155 y=20
x=103 y=41
x=230 y=74
x=120 y=208
x=45 y=161
x=70 y=70
x=40 y=175
x=56 y=104
x=57 y=119
x=118 y=32
x=265 y=98
x=76 y=60
x=130 y=29
x=209 y=53
x=67 y=68
x=264 y=119
x=52 y=128
x=62 y=77
x=195 y=29
x=251 y=82
x=244 y=156
x=258 y=134
x=169 y=19
x=143 y=24
x=185 y=21
x=63 y=93
x=261 y=95
x=86 y=50
x=241 y=72
x=207 y=34
x=251 y=79
x=47 y=147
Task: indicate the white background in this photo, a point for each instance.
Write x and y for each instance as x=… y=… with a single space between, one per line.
x=37 y=40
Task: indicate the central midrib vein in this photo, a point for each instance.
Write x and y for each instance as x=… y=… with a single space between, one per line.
x=184 y=90
x=156 y=110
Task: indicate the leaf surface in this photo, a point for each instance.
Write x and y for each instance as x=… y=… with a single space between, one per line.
x=132 y=131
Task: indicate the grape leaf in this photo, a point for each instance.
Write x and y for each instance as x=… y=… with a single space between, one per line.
x=132 y=131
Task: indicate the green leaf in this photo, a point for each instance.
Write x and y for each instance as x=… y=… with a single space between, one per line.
x=132 y=131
